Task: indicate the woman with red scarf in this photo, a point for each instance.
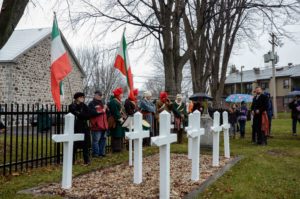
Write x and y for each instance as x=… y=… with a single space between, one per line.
x=163 y=104
x=117 y=131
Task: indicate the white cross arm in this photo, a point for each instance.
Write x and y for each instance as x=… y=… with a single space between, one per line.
x=163 y=140
x=137 y=135
x=226 y=126
x=195 y=133
x=216 y=128
x=67 y=137
x=188 y=128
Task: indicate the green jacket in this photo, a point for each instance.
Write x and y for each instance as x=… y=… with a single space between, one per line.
x=178 y=110
x=115 y=108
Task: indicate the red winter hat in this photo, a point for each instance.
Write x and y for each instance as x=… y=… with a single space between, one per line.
x=135 y=92
x=118 y=91
x=163 y=95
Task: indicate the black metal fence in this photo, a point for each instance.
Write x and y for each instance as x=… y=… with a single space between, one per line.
x=26 y=139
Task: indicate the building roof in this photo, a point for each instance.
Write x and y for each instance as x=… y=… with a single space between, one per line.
x=22 y=40
x=263 y=74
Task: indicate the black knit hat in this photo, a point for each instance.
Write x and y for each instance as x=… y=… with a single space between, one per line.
x=78 y=94
x=97 y=92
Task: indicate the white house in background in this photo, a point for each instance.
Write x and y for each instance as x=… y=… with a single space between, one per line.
x=25 y=69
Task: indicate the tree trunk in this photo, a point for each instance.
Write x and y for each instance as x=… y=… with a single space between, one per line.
x=10 y=14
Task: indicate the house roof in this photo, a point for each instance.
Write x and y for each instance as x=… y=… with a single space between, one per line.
x=22 y=40
x=263 y=74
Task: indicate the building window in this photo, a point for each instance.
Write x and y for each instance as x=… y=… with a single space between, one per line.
x=231 y=89
x=248 y=88
x=286 y=83
x=264 y=85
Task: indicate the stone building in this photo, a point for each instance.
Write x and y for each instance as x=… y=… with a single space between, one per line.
x=25 y=69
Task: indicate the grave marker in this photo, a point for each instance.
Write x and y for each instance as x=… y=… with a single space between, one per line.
x=225 y=127
x=216 y=128
x=163 y=141
x=137 y=136
x=68 y=139
x=194 y=133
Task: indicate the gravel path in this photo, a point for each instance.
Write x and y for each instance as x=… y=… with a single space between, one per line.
x=117 y=181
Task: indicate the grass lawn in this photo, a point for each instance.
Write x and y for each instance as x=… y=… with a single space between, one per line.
x=271 y=171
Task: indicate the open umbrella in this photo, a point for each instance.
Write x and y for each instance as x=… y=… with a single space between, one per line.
x=293 y=94
x=237 y=98
x=200 y=96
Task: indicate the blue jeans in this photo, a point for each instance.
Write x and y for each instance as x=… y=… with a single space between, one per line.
x=98 y=143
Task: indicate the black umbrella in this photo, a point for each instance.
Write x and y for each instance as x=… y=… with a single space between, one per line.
x=198 y=96
x=293 y=94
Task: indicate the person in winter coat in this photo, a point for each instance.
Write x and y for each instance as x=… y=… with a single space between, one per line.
x=116 y=113
x=243 y=118
x=295 y=107
x=98 y=125
x=131 y=104
x=82 y=114
x=148 y=110
x=180 y=115
x=269 y=111
x=232 y=119
x=260 y=119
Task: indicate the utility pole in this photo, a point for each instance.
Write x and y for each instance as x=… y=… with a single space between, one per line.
x=273 y=43
x=242 y=79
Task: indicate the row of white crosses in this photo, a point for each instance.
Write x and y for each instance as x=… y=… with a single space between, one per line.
x=216 y=128
x=163 y=141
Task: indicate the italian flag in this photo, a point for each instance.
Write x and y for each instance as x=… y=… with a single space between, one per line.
x=122 y=63
x=60 y=64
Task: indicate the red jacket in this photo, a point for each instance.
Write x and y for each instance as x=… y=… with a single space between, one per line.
x=99 y=122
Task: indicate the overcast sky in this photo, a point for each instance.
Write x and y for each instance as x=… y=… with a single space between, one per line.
x=42 y=16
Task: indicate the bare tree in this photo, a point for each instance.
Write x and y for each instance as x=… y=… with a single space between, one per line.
x=220 y=24
x=100 y=73
x=211 y=28
x=10 y=14
x=156 y=18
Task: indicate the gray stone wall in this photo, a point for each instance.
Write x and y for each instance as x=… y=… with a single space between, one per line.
x=28 y=81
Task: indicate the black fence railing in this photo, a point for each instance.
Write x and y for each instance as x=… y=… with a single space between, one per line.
x=26 y=137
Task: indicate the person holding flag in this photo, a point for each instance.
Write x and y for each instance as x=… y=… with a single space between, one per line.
x=60 y=64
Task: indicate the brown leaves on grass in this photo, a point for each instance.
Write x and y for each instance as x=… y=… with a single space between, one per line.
x=117 y=181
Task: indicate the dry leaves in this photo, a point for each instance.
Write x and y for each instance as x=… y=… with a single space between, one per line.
x=117 y=182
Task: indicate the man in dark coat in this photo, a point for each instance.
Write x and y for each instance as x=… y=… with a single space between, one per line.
x=295 y=113
x=258 y=107
x=82 y=114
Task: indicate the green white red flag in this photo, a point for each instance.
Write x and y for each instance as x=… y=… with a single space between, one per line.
x=60 y=64
x=123 y=65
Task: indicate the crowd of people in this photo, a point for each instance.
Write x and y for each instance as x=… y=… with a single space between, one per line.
x=97 y=119
x=260 y=113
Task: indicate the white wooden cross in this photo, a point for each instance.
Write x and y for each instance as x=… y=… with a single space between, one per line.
x=226 y=127
x=194 y=133
x=130 y=140
x=216 y=128
x=137 y=136
x=68 y=139
x=189 y=127
x=163 y=141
